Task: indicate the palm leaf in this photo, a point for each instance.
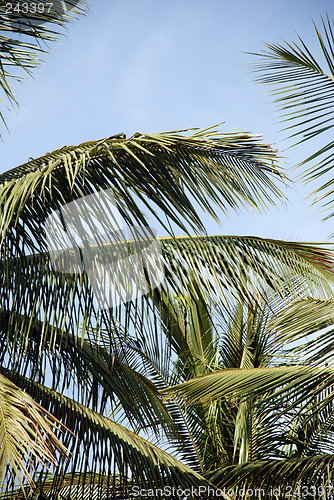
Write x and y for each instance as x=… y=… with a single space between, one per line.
x=168 y=172
x=58 y=310
x=239 y=384
x=304 y=90
x=21 y=36
x=308 y=317
x=101 y=377
x=26 y=438
x=122 y=454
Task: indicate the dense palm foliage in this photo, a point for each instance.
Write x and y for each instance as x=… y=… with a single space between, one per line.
x=49 y=320
x=198 y=382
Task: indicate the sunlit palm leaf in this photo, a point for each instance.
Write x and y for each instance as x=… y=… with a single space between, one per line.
x=100 y=376
x=117 y=451
x=165 y=171
x=241 y=383
x=309 y=317
x=304 y=90
x=26 y=438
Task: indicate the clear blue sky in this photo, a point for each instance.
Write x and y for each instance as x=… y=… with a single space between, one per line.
x=152 y=66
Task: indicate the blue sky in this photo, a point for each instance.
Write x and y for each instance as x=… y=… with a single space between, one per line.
x=151 y=66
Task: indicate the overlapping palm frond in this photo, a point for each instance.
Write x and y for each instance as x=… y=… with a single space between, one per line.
x=26 y=436
x=22 y=29
x=304 y=90
x=310 y=322
x=115 y=459
x=56 y=320
x=162 y=171
x=120 y=362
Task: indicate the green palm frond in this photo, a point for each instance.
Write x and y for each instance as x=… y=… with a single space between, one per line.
x=238 y=384
x=100 y=376
x=304 y=317
x=26 y=437
x=57 y=309
x=118 y=452
x=308 y=317
x=21 y=36
x=225 y=267
x=304 y=91
x=167 y=171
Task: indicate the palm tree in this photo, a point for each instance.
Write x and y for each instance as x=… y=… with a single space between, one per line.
x=88 y=370
x=49 y=321
x=303 y=88
x=268 y=405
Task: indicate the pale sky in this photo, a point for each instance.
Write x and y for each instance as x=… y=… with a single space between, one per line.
x=152 y=66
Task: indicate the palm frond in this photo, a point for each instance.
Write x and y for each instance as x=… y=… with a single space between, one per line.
x=58 y=308
x=21 y=34
x=99 y=376
x=26 y=437
x=239 y=384
x=308 y=317
x=118 y=452
x=169 y=172
x=304 y=90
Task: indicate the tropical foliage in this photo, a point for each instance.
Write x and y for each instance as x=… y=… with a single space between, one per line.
x=200 y=382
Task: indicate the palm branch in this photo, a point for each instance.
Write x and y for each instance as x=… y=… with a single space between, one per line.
x=26 y=436
x=309 y=323
x=121 y=459
x=22 y=37
x=304 y=91
x=168 y=172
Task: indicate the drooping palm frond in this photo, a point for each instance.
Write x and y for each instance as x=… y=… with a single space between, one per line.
x=57 y=313
x=304 y=90
x=44 y=335
x=26 y=437
x=98 y=375
x=168 y=172
x=242 y=383
x=311 y=320
x=23 y=26
x=120 y=460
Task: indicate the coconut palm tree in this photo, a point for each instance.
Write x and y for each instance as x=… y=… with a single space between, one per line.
x=273 y=405
x=303 y=88
x=50 y=322
x=95 y=374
